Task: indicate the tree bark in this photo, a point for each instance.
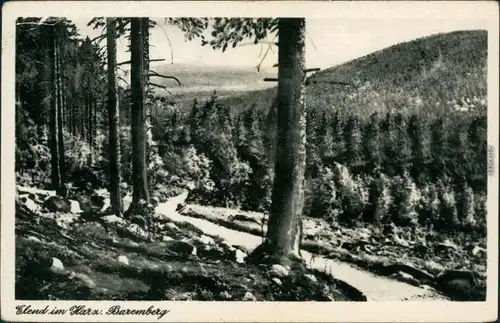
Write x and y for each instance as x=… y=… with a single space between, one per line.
x=51 y=96
x=138 y=122
x=113 y=120
x=60 y=100
x=284 y=228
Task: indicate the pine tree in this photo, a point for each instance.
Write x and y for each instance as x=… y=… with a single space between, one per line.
x=352 y=138
x=371 y=141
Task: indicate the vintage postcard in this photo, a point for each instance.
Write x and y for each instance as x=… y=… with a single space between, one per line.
x=198 y=161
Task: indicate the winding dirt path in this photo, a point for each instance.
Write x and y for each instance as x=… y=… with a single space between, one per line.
x=375 y=288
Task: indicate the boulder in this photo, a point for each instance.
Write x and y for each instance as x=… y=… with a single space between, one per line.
x=82 y=280
x=405 y=277
x=278 y=271
x=56 y=265
x=277 y=281
x=240 y=256
x=421 y=275
x=458 y=284
x=123 y=259
x=181 y=248
x=139 y=220
x=479 y=252
x=57 y=204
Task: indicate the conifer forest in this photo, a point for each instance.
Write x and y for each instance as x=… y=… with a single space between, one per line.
x=363 y=181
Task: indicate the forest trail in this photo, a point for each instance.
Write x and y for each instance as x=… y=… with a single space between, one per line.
x=375 y=288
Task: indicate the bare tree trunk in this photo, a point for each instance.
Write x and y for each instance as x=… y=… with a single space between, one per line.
x=114 y=120
x=51 y=94
x=284 y=228
x=60 y=100
x=138 y=124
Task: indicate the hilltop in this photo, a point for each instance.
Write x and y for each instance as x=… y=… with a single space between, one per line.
x=437 y=70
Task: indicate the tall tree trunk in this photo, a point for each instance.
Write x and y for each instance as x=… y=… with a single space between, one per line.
x=147 y=108
x=51 y=92
x=82 y=114
x=19 y=112
x=60 y=100
x=284 y=228
x=138 y=124
x=114 y=121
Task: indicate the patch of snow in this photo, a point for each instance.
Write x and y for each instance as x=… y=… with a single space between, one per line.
x=166 y=238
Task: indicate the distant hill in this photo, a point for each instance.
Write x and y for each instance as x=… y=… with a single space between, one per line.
x=426 y=72
x=200 y=80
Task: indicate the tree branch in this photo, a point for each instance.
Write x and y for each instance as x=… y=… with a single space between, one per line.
x=160 y=86
x=153 y=73
x=151 y=60
x=169 y=44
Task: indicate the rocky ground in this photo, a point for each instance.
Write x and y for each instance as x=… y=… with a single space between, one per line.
x=454 y=266
x=71 y=250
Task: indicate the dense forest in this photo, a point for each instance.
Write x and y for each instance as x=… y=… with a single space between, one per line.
x=397 y=138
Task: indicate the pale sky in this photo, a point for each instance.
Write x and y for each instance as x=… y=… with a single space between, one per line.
x=330 y=41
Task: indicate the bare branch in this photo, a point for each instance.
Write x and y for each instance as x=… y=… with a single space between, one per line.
x=271 y=79
x=160 y=86
x=263 y=42
x=169 y=44
x=151 y=60
x=153 y=73
x=307 y=70
x=311 y=40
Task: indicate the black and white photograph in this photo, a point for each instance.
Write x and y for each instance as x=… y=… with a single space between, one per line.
x=283 y=157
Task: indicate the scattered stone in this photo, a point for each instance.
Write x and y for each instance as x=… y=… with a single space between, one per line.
x=139 y=220
x=479 y=252
x=418 y=274
x=277 y=281
x=57 y=204
x=172 y=226
x=32 y=238
x=57 y=265
x=75 y=207
x=249 y=297
x=181 y=248
x=240 y=256
x=113 y=219
x=179 y=207
x=405 y=277
x=123 y=259
x=278 y=271
x=206 y=239
x=83 y=280
x=311 y=278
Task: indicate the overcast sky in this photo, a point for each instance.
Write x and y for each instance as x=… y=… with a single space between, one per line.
x=330 y=41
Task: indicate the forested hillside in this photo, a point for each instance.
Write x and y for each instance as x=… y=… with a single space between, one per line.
x=395 y=141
